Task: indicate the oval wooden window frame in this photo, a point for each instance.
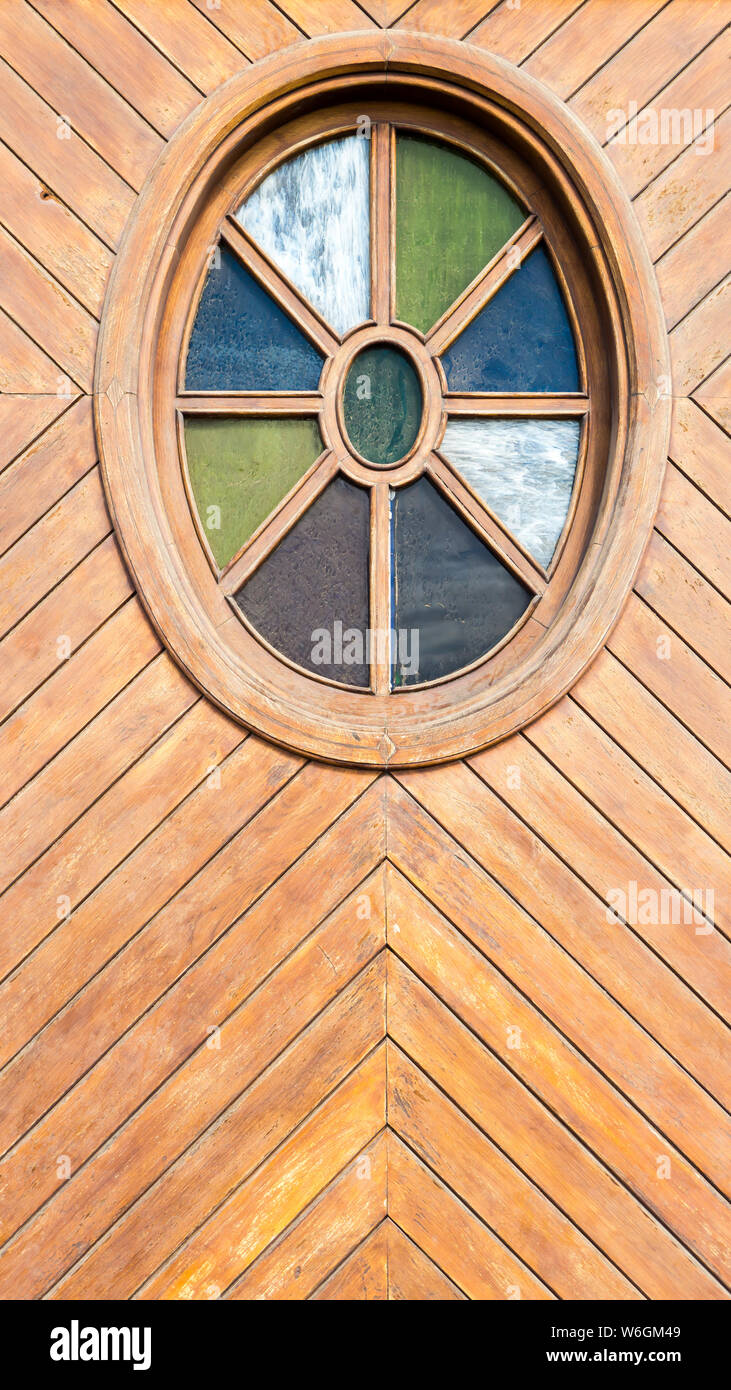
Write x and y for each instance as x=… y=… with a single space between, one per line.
x=622 y=328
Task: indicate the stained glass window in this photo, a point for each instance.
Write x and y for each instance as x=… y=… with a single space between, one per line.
x=383 y=409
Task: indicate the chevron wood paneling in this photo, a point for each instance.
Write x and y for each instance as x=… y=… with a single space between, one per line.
x=276 y=1030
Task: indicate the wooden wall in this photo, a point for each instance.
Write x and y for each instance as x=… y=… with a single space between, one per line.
x=277 y=1030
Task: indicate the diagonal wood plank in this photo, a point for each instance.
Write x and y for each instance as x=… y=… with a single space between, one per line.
x=363 y=1274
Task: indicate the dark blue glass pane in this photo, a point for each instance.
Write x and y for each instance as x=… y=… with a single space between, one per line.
x=522 y=339
x=243 y=341
x=309 y=598
x=452 y=598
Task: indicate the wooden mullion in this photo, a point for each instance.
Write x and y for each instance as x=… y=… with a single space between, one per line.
x=486 y=524
x=279 y=287
x=380 y=588
x=461 y=404
x=279 y=523
x=274 y=403
x=487 y=284
x=382 y=186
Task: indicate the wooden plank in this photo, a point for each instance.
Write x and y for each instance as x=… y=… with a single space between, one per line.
x=686 y=190
x=60 y=75
x=23 y=419
x=451 y=1235
x=209 y=1140
x=648 y=62
x=363 y=1274
x=385 y=12
x=198 y=49
x=514 y=31
x=700 y=343
x=658 y=742
x=696 y=528
x=569 y=997
x=31 y=567
x=687 y=603
x=126 y=1060
x=85 y=767
x=24 y=367
x=574 y=52
x=700 y=450
x=52 y=234
x=327 y=17
x=658 y=657
x=256 y=27
x=714 y=395
x=412 y=1276
x=62 y=622
x=40 y=306
x=510 y=1204
x=455 y=20
x=82 y=859
x=621 y=791
x=527 y=1132
x=695 y=264
x=259 y=1207
x=74 y=694
x=153 y=86
x=610 y=865
x=580 y=1093
x=701 y=90
x=65 y=163
x=318 y=1240
x=45 y=471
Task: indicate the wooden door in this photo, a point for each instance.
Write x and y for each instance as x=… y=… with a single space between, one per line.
x=277 y=1029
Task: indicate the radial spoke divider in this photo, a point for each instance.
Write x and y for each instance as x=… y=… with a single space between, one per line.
x=279 y=523
x=380 y=588
x=517 y=405
x=382 y=222
x=486 y=524
x=242 y=403
x=279 y=287
x=487 y=284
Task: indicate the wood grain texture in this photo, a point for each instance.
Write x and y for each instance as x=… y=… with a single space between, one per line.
x=279 y=1030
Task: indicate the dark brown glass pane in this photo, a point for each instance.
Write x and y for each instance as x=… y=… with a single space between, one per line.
x=310 y=597
x=452 y=598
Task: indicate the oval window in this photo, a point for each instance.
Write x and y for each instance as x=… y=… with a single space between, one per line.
x=388 y=414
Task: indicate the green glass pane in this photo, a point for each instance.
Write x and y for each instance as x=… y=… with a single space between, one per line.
x=452 y=217
x=382 y=404
x=241 y=469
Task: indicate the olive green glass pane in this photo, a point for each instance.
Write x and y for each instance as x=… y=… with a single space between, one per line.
x=452 y=217
x=382 y=405
x=241 y=469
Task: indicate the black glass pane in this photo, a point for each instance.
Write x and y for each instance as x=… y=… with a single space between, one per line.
x=242 y=341
x=452 y=598
x=309 y=598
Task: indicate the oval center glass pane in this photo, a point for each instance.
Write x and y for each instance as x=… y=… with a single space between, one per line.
x=382 y=405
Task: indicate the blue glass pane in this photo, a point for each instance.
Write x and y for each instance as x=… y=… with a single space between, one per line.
x=522 y=339
x=243 y=341
x=452 y=599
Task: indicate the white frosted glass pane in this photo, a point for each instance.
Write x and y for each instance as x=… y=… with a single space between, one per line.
x=312 y=217
x=523 y=469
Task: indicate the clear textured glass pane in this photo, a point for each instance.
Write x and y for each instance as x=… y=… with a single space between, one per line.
x=452 y=598
x=521 y=340
x=523 y=469
x=309 y=598
x=312 y=218
x=242 y=341
x=452 y=217
x=241 y=469
x=382 y=404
